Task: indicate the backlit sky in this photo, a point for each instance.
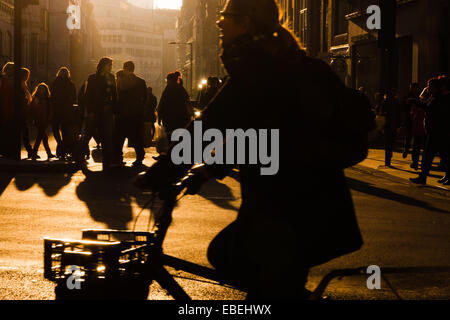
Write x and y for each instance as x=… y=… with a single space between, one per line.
x=170 y=4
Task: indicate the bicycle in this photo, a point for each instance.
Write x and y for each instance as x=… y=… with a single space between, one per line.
x=115 y=264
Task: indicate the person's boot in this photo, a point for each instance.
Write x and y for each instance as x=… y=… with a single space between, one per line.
x=414 y=166
x=137 y=164
x=421 y=179
x=50 y=156
x=34 y=155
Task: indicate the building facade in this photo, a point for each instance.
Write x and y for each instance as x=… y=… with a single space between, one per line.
x=128 y=32
x=34 y=37
x=421 y=48
x=165 y=23
x=198 y=41
x=47 y=42
x=75 y=48
x=336 y=31
x=6 y=31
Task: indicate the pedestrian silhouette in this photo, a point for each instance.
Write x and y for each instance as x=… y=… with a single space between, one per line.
x=42 y=113
x=173 y=109
x=132 y=97
x=101 y=101
x=391 y=108
x=437 y=128
x=64 y=96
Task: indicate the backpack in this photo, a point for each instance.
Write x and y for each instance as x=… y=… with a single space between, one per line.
x=353 y=120
x=344 y=114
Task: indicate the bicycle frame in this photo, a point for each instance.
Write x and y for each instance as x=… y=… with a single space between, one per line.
x=142 y=259
x=165 y=279
x=157 y=272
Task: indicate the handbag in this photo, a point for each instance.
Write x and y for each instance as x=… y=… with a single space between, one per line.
x=162 y=141
x=148 y=128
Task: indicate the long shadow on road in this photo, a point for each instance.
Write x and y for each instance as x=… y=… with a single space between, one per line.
x=51 y=184
x=370 y=189
x=109 y=197
x=5 y=180
x=219 y=194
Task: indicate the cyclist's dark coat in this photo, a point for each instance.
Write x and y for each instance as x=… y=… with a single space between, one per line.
x=307 y=204
x=304 y=214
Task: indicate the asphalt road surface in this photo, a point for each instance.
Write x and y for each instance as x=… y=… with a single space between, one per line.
x=402 y=225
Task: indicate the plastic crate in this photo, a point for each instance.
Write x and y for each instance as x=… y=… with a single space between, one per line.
x=100 y=255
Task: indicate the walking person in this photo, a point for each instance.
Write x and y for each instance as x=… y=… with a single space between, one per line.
x=101 y=101
x=64 y=96
x=412 y=97
x=174 y=106
x=418 y=132
x=150 y=111
x=42 y=113
x=132 y=97
x=445 y=148
x=391 y=108
x=7 y=110
x=25 y=117
x=436 y=124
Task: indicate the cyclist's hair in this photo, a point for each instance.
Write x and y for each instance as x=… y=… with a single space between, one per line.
x=265 y=19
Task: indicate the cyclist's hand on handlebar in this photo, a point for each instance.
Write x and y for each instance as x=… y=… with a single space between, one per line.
x=195 y=178
x=156 y=177
x=140 y=181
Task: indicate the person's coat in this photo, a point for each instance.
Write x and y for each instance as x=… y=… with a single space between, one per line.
x=101 y=93
x=63 y=97
x=303 y=214
x=42 y=112
x=173 y=108
x=132 y=97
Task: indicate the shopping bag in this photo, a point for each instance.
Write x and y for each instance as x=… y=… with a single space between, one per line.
x=162 y=141
x=148 y=130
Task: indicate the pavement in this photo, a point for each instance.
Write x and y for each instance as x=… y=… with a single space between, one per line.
x=400 y=168
x=403 y=225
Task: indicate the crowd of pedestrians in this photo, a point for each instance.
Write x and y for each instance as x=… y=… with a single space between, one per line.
x=111 y=109
x=424 y=118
